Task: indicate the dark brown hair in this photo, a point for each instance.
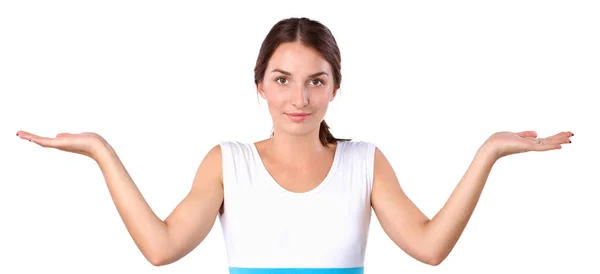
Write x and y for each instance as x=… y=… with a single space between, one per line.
x=310 y=33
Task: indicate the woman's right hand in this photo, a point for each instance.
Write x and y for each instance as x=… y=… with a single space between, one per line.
x=85 y=143
x=161 y=242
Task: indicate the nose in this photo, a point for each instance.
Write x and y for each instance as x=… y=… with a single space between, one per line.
x=299 y=96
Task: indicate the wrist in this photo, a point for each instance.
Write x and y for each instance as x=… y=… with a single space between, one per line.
x=101 y=150
x=488 y=152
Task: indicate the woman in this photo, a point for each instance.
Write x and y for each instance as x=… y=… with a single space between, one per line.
x=302 y=198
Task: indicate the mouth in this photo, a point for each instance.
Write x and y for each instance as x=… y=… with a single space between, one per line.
x=298 y=116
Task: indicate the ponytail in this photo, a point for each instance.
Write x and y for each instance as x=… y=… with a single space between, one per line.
x=325 y=135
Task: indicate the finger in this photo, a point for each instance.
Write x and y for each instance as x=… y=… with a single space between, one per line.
x=543 y=146
x=565 y=137
x=22 y=133
x=26 y=135
x=528 y=133
x=564 y=134
x=42 y=141
x=560 y=138
x=46 y=142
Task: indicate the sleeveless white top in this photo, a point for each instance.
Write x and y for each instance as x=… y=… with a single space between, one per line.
x=268 y=229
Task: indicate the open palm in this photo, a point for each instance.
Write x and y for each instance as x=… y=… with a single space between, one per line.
x=85 y=143
x=507 y=143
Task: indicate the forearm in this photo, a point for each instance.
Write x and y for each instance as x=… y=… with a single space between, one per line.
x=147 y=230
x=443 y=231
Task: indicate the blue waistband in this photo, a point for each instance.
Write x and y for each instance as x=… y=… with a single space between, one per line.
x=241 y=270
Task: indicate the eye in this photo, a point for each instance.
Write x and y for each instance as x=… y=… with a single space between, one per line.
x=281 y=80
x=316 y=82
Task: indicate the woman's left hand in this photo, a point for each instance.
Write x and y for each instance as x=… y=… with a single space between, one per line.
x=506 y=143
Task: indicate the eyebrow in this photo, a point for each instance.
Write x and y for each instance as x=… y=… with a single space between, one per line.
x=289 y=74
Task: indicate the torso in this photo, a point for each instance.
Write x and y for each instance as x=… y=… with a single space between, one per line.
x=295 y=178
x=316 y=216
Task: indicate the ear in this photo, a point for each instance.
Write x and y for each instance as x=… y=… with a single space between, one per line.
x=259 y=89
x=335 y=92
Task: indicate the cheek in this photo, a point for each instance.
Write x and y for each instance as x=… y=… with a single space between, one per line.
x=275 y=101
x=320 y=98
x=275 y=98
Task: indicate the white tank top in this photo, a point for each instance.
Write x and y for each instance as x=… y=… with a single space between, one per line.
x=268 y=229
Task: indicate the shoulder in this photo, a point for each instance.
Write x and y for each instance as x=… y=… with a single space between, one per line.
x=358 y=146
x=221 y=157
x=212 y=162
x=372 y=150
x=233 y=149
x=215 y=152
x=383 y=171
x=358 y=151
x=220 y=154
x=210 y=171
x=362 y=154
x=378 y=163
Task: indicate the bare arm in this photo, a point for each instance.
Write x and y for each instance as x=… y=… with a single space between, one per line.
x=431 y=240
x=164 y=242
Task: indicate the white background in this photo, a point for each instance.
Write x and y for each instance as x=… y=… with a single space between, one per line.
x=428 y=82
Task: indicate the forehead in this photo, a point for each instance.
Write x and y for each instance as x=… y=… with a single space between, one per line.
x=298 y=59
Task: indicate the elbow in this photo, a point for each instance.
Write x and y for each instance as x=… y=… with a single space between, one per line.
x=157 y=253
x=157 y=258
x=435 y=258
x=156 y=261
x=434 y=261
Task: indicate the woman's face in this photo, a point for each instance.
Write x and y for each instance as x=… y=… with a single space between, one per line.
x=298 y=86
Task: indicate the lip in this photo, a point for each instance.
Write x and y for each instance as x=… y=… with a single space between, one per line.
x=298 y=116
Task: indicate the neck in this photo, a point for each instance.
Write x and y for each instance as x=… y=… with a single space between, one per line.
x=297 y=149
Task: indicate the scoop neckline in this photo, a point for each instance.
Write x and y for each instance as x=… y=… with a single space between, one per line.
x=263 y=170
